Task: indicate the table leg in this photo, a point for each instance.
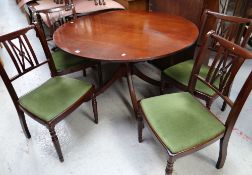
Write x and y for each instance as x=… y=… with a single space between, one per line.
x=144 y=77
x=125 y=69
x=128 y=69
x=118 y=74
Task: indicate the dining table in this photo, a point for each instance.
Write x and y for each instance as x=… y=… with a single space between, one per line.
x=126 y=37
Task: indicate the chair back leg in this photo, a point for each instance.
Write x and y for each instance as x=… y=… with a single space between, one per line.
x=23 y=124
x=224 y=105
x=209 y=103
x=94 y=105
x=99 y=72
x=84 y=73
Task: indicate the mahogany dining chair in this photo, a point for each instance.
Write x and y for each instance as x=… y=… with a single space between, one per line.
x=181 y=123
x=64 y=62
x=97 y=2
x=53 y=100
x=229 y=27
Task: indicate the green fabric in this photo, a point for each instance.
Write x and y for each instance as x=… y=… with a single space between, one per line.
x=53 y=97
x=181 y=72
x=64 y=60
x=180 y=120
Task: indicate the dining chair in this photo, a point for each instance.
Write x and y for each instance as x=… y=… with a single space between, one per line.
x=97 y=2
x=54 y=17
x=181 y=123
x=65 y=63
x=61 y=1
x=53 y=100
x=229 y=27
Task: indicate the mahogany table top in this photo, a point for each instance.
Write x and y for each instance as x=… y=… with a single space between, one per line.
x=125 y=36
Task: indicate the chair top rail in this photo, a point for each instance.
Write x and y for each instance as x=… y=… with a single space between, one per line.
x=57 y=9
x=15 y=34
x=223 y=68
x=225 y=17
x=22 y=53
x=229 y=27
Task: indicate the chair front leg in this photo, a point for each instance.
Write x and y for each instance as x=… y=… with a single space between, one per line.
x=55 y=141
x=23 y=123
x=94 y=105
x=169 y=166
x=140 y=128
x=99 y=72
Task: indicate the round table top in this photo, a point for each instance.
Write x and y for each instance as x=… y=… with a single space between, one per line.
x=124 y=36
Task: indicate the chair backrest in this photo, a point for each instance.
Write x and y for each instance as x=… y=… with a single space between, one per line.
x=231 y=28
x=99 y=2
x=61 y=1
x=55 y=17
x=223 y=70
x=23 y=56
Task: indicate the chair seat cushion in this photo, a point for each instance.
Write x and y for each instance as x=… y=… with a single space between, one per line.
x=180 y=121
x=181 y=73
x=64 y=60
x=53 y=97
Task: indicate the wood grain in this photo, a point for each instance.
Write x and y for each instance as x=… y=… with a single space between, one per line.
x=125 y=36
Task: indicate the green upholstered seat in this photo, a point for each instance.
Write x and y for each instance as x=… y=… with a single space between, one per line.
x=53 y=97
x=64 y=60
x=181 y=73
x=180 y=120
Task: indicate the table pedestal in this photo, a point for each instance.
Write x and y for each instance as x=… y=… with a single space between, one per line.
x=127 y=70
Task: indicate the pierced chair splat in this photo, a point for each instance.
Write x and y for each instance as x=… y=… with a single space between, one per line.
x=181 y=123
x=100 y=2
x=45 y=104
x=64 y=62
x=54 y=17
x=230 y=28
x=62 y=1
